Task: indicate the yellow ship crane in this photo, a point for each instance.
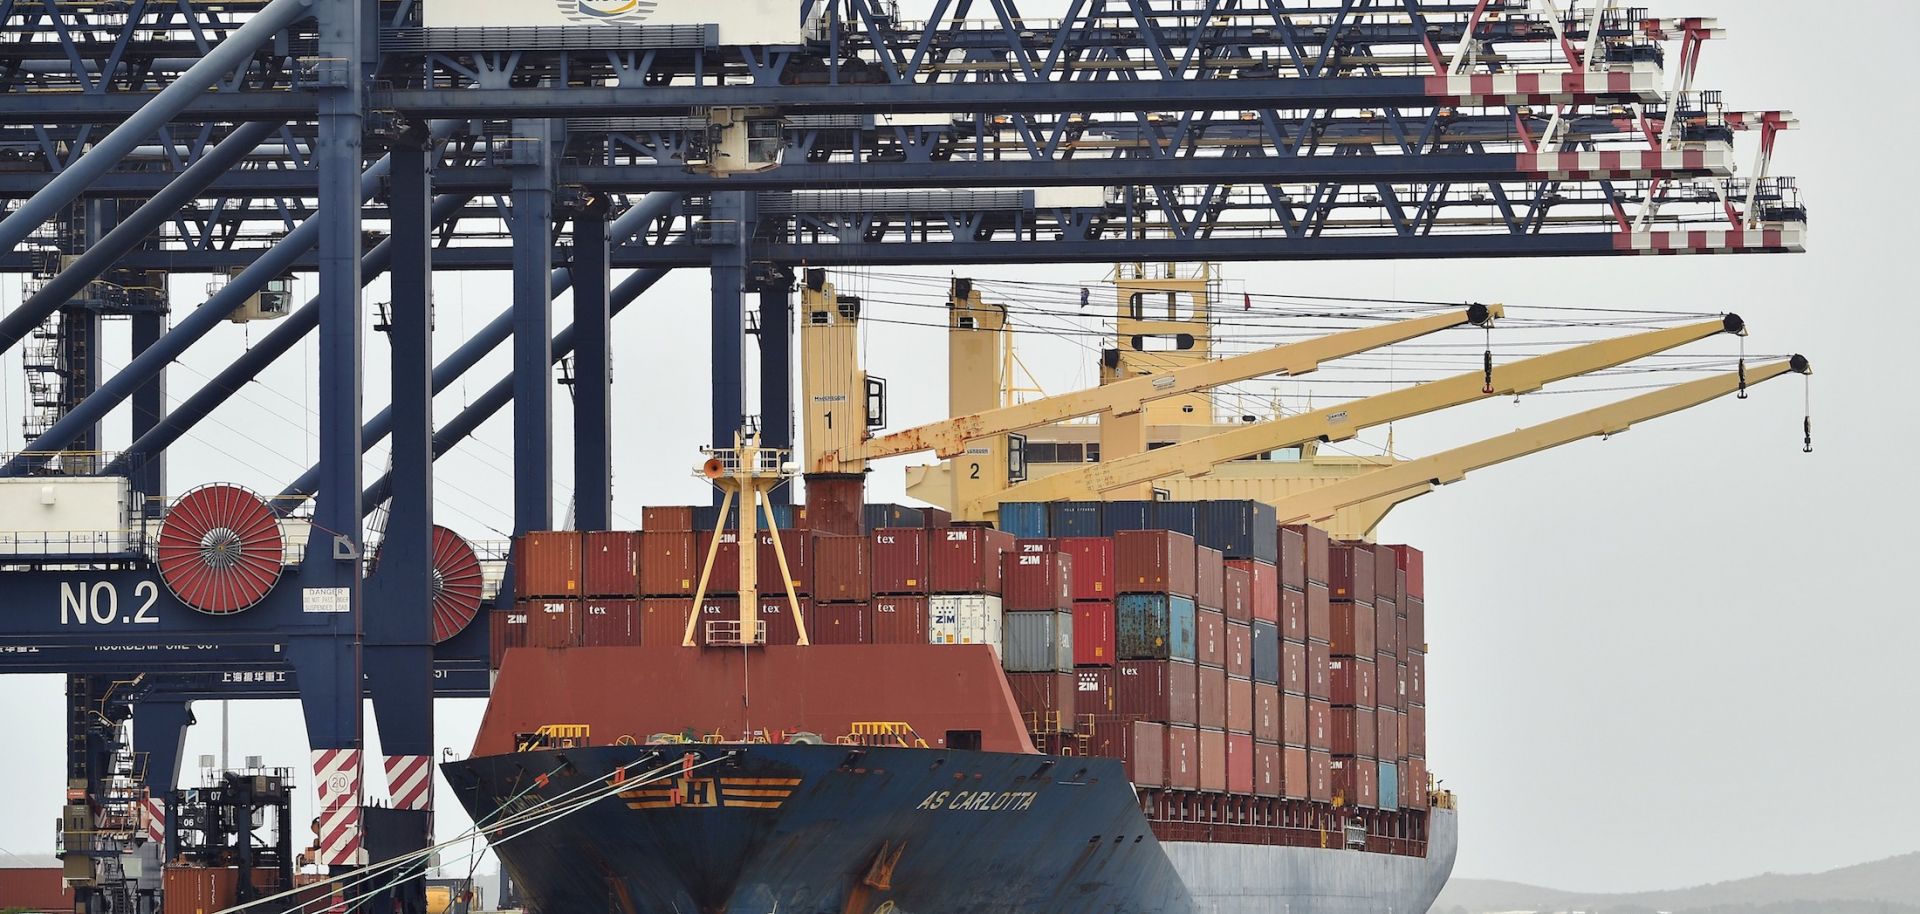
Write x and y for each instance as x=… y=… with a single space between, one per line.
x=1338 y=423
x=1379 y=491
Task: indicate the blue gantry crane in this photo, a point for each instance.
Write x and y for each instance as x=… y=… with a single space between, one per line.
x=254 y=140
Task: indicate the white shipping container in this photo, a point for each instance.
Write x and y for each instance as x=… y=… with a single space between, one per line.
x=965 y=619
x=66 y=515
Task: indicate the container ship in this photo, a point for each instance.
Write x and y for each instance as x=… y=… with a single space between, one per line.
x=1171 y=696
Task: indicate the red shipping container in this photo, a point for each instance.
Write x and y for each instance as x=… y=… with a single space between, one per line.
x=839 y=623
x=667 y=518
x=1036 y=546
x=1266 y=769
x=1319 y=613
x=1240 y=706
x=552 y=622
x=1319 y=684
x=1293 y=615
x=1386 y=682
x=1209 y=578
x=1093 y=622
x=1416 y=731
x=1093 y=693
x=1213 y=697
x=1263 y=588
x=1319 y=724
x=898 y=620
x=725 y=574
x=1351 y=574
x=1293 y=667
x=715 y=609
x=1353 y=628
x=610 y=563
x=1317 y=545
x=1414 y=563
x=798 y=545
x=1295 y=721
x=1357 y=781
x=899 y=559
x=1183 y=757
x=1352 y=731
x=967 y=559
x=1387 y=733
x=663 y=620
x=1237 y=588
x=776 y=616
x=1294 y=772
x=1210 y=637
x=1293 y=557
x=1320 y=776
x=669 y=566
x=1416 y=624
x=1240 y=764
x=1416 y=678
x=1141 y=745
x=1046 y=700
x=934 y=518
x=610 y=623
x=1413 y=784
x=840 y=569
x=1163 y=690
x=507 y=628
x=1387 y=634
x=1212 y=756
x=1386 y=573
x=1154 y=561
x=1351 y=681
x=547 y=564
x=1266 y=712
x=1093 y=557
x=1038 y=581
x=1239 y=649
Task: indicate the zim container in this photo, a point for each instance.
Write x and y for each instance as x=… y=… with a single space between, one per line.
x=1209 y=578
x=1076 y=518
x=1210 y=637
x=551 y=622
x=1092 y=566
x=610 y=563
x=1213 y=760
x=1154 y=626
x=1163 y=690
x=1045 y=699
x=839 y=623
x=966 y=619
x=966 y=560
x=547 y=564
x=1212 y=683
x=1351 y=681
x=724 y=576
x=1042 y=580
x=1240 y=706
x=897 y=620
x=609 y=623
x=1154 y=561
x=1355 y=781
x=506 y=628
x=1240 y=764
x=1039 y=642
x=1266 y=652
x=668 y=566
x=1093 y=692
x=899 y=560
x=1236 y=586
x=1241 y=529
x=1093 y=643
x=839 y=566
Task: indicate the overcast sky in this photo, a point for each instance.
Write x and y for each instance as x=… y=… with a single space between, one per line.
x=1674 y=657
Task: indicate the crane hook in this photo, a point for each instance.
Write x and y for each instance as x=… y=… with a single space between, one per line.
x=1743 y=378
x=1806 y=421
x=1488 y=388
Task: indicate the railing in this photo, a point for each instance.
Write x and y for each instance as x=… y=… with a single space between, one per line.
x=50 y=545
x=726 y=633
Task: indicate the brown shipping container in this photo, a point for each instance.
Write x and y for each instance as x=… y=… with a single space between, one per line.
x=610 y=623
x=725 y=576
x=1416 y=678
x=967 y=559
x=840 y=568
x=1239 y=649
x=1293 y=557
x=1037 y=581
x=898 y=620
x=715 y=609
x=1295 y=720
x=667 y=518
x=1266 y=712
x=1350 y=573
x=1266 y=769
x=1352 y=731
x=547 y=564
x=1387 y=733
x=1413 y=784
x=1293 y=615
x=1386 y=573
x=1386 y=682
x=1416 y=624
x=1045 y=699
x=798 y=545
x=1350 y=681
x=552 y=622
x=1414 y=563
x=1294 y=772
x=1141 y=746
x=1320 y=776
x=199 y=890
x=1093 y=575
x=1319 y=613
x=936 y=517
x=507 y=628
x=1416 y=731
x=839 y=623
x=1036 y=546
x=1213 y=760
x=1093 y=692
x=1240 y=706
x=1154 y=561
x=1317 y=544
x=1293 y=667
x=776 y=616
x=38 y=889
x=1319 y=724
x=669 y=566
x=1387 y=636
x=1237 y=593
x=899 y=560
x=1209 y=578
x=610 y=563
x=1183 y=757
x=663 y=620
x=1319 y=685
x=1163 y=690
x=1241 y=764
x=1263 y=588
x=1353 y=627
x=1356 y=781
x=1212 y=683
x=1210 y=637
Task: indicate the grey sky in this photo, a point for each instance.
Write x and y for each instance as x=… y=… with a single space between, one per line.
x=1674 y=657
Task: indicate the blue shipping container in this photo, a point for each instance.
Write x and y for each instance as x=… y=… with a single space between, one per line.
x=1076 y=518
x=1180 y=516
x=1024 y=519
x=1389 y=786
x=1266 y=652
x=1154 y=626
x=1242 y=529
x=1127 y=515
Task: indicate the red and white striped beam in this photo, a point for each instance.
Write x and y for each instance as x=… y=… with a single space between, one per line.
x=410 y=781
x=1771 y=239
x=153 y=819
x=1545 y=88
x=1629 y=164
x=336 y=778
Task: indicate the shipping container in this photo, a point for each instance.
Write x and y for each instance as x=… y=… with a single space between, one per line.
x=1387 y=688
x=506 y=628
x=1293 y=667
x=1242 y=529
x=610 y=623
x=198 y=890
x=1126 y=515
x=1416 y=678
x=1267 y=773
x=1416 y=744
x=1209 y=578
x=1350 y=572
x=839 y=623
x=1387 y=625
x=1163 y=690
x=1239 y=650
x=898 y=620
x=1210 y=637
x=1154 y=561
x=1320 y=776
x=1414 y=563
x=1319 y=613
x=1045 y=700
x=1093 y=632
x=1389 y=781
x=798 y=546
x=1353 y=628
x=725 y=609
x=1237 y=593
x=1263 y=588
x=778 y=619
x=610 y=563
x=1154 y=627
x=1178 y=516
x=1093 y=692
x=1296 y=721
x=967 y=559
x=1416 y=624
x=1293 y=557
x=1212 y=756
x=1037 y=580
x=1240 y=705
x=966 y=619
x=1141 y=745
x=936 y=518
x=667 y=518
x=1295 y=771
x=1093 y=576
x=669 y=565
x=1319 y=684
x=547 y=564
x=1352 y=731
x=1266 y=652
x=1356 y=781
x=840 y=568
x=1293 y=614
x=1039 y=642
x=785 y=517
x=1240 y=764
x=1183 y=757
x=1387 y=733
x=1316 y=548
x=1076 y=518
x=1413 y=785
x=899 y=560
x=1024 y=518
x=1319 y=724
x=1212 y=682
x=1351 y=681
x=724 y=574
x=1266 y=712
x=551 y=622
x=878 y=517
x=663 y=620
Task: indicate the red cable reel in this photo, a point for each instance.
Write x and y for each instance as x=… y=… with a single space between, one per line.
x=457 y=582
x=220 y=549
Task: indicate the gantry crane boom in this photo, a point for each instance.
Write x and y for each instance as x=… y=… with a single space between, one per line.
x=1384 y=488
x=1337 y=423
x=949 y=437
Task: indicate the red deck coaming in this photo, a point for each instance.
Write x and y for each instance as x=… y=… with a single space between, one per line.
x=637 y=691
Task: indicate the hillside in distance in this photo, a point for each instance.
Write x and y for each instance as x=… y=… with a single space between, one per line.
x=1890 y=886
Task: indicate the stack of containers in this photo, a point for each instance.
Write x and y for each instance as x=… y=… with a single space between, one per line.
x=1156 y=639
x=965 y=583
x=1244 y=532
x=1352 y=675
x=547 y=587
x=1390 y=717
x=842 y=587
x=1039 y=653
x=610 y=583
x=1410 y=584
x=669 y=570
x=898 y=611
x=1305 y=663
x=1253 y=595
